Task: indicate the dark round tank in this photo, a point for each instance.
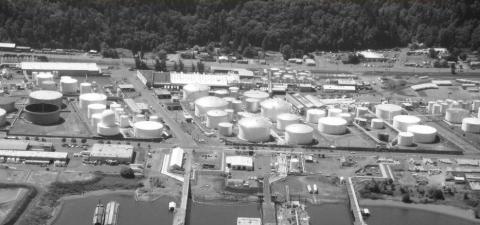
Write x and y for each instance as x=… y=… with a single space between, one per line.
x=42 y=113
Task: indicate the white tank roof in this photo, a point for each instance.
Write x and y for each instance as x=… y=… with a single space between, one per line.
x=407 y=119
x=299 y=128
x=93 y=97
x=333 y=121
x=210 y=102
x=252 y=122
x=405 y=134
x=196 y=87
x=422 y=129
x=46 y=95
x=388 y=107
x=256 y=94
x=217 y=113
x=225 y=124
x=287 y=116
x=148 y=125
x=471 y=120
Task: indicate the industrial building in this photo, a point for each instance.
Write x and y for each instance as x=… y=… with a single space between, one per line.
x=175 y=81
x=62 y=68
x=104 y=152
x=371 y=56
x=24 y=145
x=176 y=159
x=34 y=155
x=7 y=46
x=243 y=73
x=239 y=162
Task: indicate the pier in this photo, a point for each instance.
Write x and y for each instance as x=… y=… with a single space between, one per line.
x=354 y=206
x=268 y=207
x=181 y=212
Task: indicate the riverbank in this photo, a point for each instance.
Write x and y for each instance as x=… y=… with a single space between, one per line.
x=442 y=209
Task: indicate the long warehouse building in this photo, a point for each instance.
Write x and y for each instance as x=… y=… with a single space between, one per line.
x=63 y=68
x=34 y=155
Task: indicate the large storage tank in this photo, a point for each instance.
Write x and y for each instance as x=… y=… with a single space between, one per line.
x=95 y=108
x=91 y=98
x=192 y=92
x=252 y=105
x=104 y=130
x=402 y=122
x=85 y=88
x=233 y=91
x=123 y=121
x=95 y=119
x=207 y=103
x=314 y=114
x=147 y=129
x=214 y=117
x=230 y=114
x=48 y=85
x=3 y=114
x=45 y=96
x=260 y=95
x=387 y=111
x=475 y=105
x=108 y=118
x=138 y=118
x=332 y=125
x=285 y=119
x=361 y=111
x=377 y=123
x=237 y=105
x=271 y=108
x=229 y=100
x=471 y=125
x=68 y=85
x=221 y=93
x=42 y=113
x=114 y=106
x=334 y=112
x=298 y=134
x=225 y=129
x=346 y=116
x=254 y=129
x=7 y=104
x=405 y=139
x=119 y=112
x=423 y=133
x=456 y=115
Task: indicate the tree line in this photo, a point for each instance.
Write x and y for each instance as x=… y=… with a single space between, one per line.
x=300 y=25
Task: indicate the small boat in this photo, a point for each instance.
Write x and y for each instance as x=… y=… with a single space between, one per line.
x=365 y=212
x=315 y=189
x=309 y=188
x=99 y=214
x=172 y=206
x=111 y=213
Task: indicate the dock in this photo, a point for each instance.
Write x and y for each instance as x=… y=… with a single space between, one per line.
x=181 y=212
x=354 y=206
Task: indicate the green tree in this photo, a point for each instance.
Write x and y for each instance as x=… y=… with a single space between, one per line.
x=181 y=67
x=286 y=51
x=127 y=172
x=200 y=67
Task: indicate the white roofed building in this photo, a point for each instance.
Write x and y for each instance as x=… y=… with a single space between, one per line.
x=243 y=73
x=371 y=56
x=63 y=68
x=334 y=88
x=103 y=152
x=212 y=80
x=7 y=46
x=176 y=158
x=239 y=162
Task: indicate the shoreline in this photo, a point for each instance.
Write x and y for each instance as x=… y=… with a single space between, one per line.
x=435 y=208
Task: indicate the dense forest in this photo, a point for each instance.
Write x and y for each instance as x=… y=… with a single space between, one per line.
x=178 y=24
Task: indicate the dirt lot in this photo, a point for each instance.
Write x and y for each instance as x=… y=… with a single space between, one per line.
x=330 y=187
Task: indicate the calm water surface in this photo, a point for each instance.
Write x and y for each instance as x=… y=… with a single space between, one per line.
x=131 y=212
x=329 y=214
x=221 y=214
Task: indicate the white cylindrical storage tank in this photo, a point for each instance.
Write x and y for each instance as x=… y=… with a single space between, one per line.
x=334 y=112
x=455 y=105
x=436 y=109
x=192 y=92
x=430 y=106
x=85 y=87
x=147 y=129
x=475 y=105
x=41 y=77
x=285 y=119
x=332 y=125
x=207 y=103
x=423 y=133
x=154 y=118
x=95 y=108
x=118 y=113
x=91 y=98
x=123 y=121
x=108 y=118
x=271 y=108
x=377 y=123
x=45 y=96
x=225 y=129
x=443 y=107
x=233 y=91
x=456 y=115
x=361 y=111
x=402 y=122
x=221 y=93
x=66 y=78
x=260 y=95
x=387 y=111
x=346 y=116
x=214 y=117
x=138 y=118
x=68 y=85
x=237 y=105
x=230 y=114
x=114 y=106
x=254 y=129
x=95 y=119
x=229 y=101
x=105 y=130
x=471 y=125
x=3 y=114
x=252 y=105
x=405 y=139
x=298 y=134
x=48 y=85
x=314 y=114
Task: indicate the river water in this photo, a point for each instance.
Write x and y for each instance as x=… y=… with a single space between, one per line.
x=329 y=214
x=221 y=214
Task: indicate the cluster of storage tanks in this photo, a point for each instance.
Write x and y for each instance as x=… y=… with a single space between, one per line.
x=458 y=112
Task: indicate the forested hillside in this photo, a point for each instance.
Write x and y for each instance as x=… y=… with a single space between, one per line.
x=178 y=24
